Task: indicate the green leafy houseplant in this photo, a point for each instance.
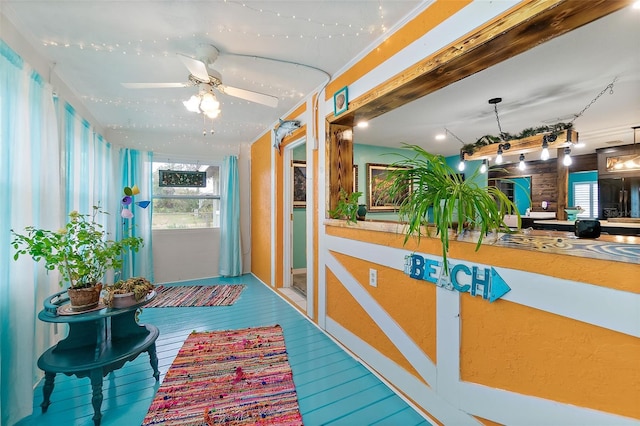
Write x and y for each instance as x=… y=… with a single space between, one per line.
x=80 y=251
x=443 y=199
x=347 y=207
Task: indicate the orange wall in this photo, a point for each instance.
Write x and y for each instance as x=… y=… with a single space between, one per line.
x=358 y=321
x=261 y=208
x=532 y=352
x=418 y=320
x=504 y=345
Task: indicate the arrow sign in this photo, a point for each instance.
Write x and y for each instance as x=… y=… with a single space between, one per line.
x=476 y=280
x=498 y=286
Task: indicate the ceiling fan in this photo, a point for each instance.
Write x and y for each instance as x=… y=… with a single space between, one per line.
x=207 y=79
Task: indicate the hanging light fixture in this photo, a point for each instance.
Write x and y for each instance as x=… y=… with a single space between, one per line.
x=204 y=102
x=544 y=156
x=567 y=157
x=499 y=155
x=193 y=104
x=483 y=167
x=522 y=165
x=461 y=163
x=495 y=102
x=502 y=146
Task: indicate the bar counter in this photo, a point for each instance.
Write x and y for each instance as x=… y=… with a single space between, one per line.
x=618 y=248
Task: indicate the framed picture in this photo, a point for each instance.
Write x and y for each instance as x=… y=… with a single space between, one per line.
x=378 y=198
x=187 y=179
x=340 y=101
x=299 y=184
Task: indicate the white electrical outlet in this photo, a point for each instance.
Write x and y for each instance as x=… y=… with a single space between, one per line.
x=373 y=277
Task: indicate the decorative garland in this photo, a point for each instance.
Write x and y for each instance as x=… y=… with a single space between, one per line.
x=504 y=137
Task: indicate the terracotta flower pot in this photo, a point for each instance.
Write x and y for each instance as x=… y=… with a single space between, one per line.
x=83 y=299
x=123 y=300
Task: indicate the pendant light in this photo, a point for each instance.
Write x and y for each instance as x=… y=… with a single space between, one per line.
x=544 y=156
x=461 y=163
x=483 y=167
x=522 y=164
x=567 y=157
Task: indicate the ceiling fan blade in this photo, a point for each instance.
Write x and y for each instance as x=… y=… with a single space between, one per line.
x=248 y=95
x=154 y=85
x=197 y=68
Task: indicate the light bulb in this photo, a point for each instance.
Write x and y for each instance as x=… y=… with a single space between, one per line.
x=567 y=157
x=209 y=103
x=545 y=154
x=499 y=158
x=483 y=167
x=193 y=104
x=522 y=165
x=212 y=114
x=461 y=166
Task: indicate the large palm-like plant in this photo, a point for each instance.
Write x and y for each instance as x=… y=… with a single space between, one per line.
x=442 y=198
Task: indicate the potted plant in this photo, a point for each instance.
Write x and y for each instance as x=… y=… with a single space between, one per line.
x=80 y=251
x=443 y=199
x=128 y=292
x=347 y=207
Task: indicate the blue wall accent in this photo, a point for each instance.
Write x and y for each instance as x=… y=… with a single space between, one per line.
x=363 y=154
x=576 y=177
x=522 y=193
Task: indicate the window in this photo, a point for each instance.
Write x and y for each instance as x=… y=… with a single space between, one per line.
x=177 y=207
x=585 y=195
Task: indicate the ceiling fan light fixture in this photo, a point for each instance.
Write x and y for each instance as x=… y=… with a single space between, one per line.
x=209 y=103
x=212 y=114
x=193 y=104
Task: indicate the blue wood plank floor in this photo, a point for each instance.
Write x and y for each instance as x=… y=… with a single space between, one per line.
x=333 y=388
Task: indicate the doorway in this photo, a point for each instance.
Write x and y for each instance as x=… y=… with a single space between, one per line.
x=295 y=232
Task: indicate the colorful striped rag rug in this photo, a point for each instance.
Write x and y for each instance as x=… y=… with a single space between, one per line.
x=233 y=377
x=195 y=295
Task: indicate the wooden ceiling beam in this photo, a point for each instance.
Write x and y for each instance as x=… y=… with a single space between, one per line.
x=525 y=145
x=525 y=27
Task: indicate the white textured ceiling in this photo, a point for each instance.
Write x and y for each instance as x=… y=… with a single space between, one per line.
x=97 y=45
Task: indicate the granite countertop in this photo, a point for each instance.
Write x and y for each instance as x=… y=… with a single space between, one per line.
x=619 y=248
x=603 y=223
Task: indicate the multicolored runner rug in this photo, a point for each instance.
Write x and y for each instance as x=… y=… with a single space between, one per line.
x=195 y=295
x=233 y=377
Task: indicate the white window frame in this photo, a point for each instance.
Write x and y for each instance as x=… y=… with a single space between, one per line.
x=196 y=163
x=591 y=210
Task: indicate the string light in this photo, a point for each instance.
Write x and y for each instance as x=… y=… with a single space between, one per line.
x=144 y=47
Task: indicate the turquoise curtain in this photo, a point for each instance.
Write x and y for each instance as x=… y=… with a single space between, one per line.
x=30 y=194
x=230 y=247
x=136 y=169
x=89 y=169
